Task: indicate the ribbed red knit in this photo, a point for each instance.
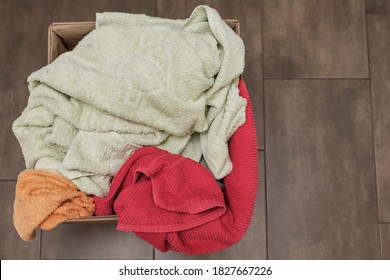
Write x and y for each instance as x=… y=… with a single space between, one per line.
x=240 y=195
x=156 y=191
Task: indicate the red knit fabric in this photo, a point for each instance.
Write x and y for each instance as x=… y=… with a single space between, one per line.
x=156 y=191
x=220 y=232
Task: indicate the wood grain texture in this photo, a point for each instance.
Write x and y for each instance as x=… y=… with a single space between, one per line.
x=320 y=170
x=249 y=15
x=379 y=46
x=92 y=241
x=252 y=246
x=385 y=241
x=12 y=247
x=23 y=40
x=23 y=50
x=377 y=7
x=314 y=39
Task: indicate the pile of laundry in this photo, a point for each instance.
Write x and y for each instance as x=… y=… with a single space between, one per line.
x=146 y=118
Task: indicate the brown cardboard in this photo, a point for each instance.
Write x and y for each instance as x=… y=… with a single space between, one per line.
x=63 y=37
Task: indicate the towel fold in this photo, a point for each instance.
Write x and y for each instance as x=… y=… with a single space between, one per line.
x=44 y=199
x=156 y=191
x=240 y=194
x=135 y=81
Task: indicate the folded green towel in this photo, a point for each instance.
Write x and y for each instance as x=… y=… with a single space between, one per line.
x=135 y=81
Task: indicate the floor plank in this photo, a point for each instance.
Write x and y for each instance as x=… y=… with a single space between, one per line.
x=249 y=15
x=314 y=39
x=252 y=246
x=385 y=241
x=320 y=170
x=12 y=247
x=23 y=38
x=320 y=163
x=97 y=241
x=379 y=45
x=24 y=49
x=377 y=7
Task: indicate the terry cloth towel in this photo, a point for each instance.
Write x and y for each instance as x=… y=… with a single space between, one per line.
x=240 y=194
x=135 y=81
x=220 y=232
x=44 y=199
x=156 y=191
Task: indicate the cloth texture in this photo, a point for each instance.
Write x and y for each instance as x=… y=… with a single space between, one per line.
x=217 y=233
x=44 y=199
x=135 y=81
x=156 y=191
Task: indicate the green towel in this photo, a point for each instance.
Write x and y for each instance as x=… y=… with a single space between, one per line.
x=135 y=81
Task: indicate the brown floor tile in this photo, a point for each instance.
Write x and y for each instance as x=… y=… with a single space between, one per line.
x=377 y=7
x=249 y=15
x=23 y=38
x=379 y=46
x=98 y=241
x=320 y=170
x=12 y=247
x=252 y=246
x=314 y=39
x=385 y=241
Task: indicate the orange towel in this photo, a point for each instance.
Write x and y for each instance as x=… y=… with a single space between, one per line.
x=44 y=199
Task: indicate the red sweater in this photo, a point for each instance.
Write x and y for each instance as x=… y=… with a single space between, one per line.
x=172 y=203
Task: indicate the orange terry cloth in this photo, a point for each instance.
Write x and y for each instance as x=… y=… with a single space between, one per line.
x=44 y=199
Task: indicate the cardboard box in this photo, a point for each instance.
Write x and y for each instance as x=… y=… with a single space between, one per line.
x=63 y=37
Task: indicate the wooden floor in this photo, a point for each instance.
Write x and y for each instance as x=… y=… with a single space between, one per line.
x=319 y=77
